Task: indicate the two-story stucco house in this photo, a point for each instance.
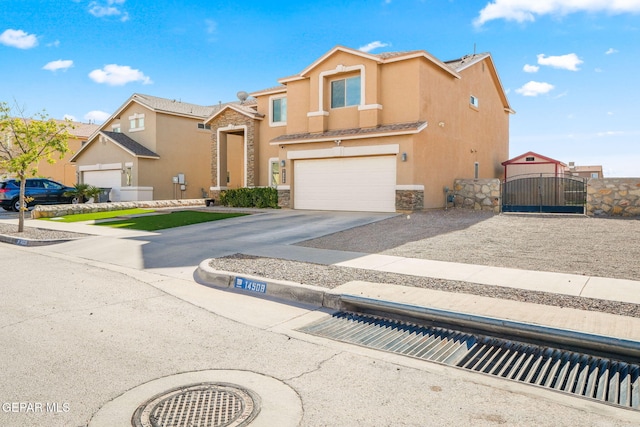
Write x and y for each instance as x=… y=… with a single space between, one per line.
x=366 y=132
x=150 y=148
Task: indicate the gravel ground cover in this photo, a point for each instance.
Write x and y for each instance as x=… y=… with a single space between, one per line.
x=37 y=233
x=568 y=244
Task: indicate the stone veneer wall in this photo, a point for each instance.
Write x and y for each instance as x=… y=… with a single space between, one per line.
x=51 y=211
x=613 y=197
x=409 y=200
x=284 y=198
x=477 y=194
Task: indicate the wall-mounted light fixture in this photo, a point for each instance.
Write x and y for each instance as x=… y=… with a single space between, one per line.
x=403 y=157
x=283 y=162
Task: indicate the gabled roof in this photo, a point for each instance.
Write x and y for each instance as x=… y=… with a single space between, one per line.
x=121 y=140
x=172 y=106
x=245 y=108
x=353 y=133
x=130 y=145
x=515 y=160
x=379 y=58
x=461 y=64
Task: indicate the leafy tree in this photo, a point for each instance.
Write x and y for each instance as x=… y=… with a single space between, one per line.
x=26 y=141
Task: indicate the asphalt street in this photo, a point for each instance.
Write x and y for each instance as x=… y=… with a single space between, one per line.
x=82 y=342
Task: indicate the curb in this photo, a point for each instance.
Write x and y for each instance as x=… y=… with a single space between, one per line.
x=21 y=241
x=261 y=287
x=326 y=298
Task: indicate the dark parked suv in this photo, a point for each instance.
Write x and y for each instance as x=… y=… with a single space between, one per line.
x=43 y=191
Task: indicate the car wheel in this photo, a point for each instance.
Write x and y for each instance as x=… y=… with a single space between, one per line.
x=15 y=205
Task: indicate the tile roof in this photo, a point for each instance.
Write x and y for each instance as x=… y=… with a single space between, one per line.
x=130 y=145
x=353 y=132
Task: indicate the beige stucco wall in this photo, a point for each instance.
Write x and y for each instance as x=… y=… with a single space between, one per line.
x=458 y=134
x=61 y=171
x=183 y=148
x=532 y=168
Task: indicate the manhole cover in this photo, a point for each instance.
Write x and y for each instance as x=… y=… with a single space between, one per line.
x=199 y=405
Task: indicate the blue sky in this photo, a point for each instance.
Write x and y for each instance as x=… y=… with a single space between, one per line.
x=569 y=67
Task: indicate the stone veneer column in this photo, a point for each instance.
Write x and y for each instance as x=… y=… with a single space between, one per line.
x=226 y=119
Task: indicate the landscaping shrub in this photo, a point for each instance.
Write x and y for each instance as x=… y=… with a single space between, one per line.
x=257 y=197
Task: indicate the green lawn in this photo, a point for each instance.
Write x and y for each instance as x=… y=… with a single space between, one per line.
x=99 y=215
x=170 y=220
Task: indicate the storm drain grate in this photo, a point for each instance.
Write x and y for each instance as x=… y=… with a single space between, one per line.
x=605 y=380
x=199 y=405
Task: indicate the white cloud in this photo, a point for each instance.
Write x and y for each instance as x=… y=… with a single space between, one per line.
x=530 y=68
x=19 y=39
x=108 y=8
x=54 y=44
x=528 y=10
x=373 y=45
x=96 y=116
x=611 y=51
x=118 y=75
x=535 y=88
x=58 y=65
x=566 y=62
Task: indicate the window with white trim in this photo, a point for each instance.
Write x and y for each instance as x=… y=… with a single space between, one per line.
x=474 y=101
x=116 y=128
x=203 y=126
x=278 y=110
x=136 y=122
x=345 y=92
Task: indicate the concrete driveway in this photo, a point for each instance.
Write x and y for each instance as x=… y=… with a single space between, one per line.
x=263 y=234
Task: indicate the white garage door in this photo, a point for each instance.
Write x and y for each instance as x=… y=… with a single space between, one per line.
x=346 y=184
x=105 y=179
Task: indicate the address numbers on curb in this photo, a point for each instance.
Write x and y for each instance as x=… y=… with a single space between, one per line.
x=250 y=285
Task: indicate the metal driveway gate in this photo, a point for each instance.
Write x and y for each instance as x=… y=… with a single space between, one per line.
x=544 y=193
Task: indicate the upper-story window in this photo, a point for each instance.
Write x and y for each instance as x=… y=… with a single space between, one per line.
x=136 y=122
x=116 y=128
x=345 y=92
x=474 y=101
x=203 y=126
x=278 y=110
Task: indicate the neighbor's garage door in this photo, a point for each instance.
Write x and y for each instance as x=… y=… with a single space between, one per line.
x=346 y=184
x=105 y=179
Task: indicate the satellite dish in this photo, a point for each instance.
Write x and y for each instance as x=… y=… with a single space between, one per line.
x=242 y=96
